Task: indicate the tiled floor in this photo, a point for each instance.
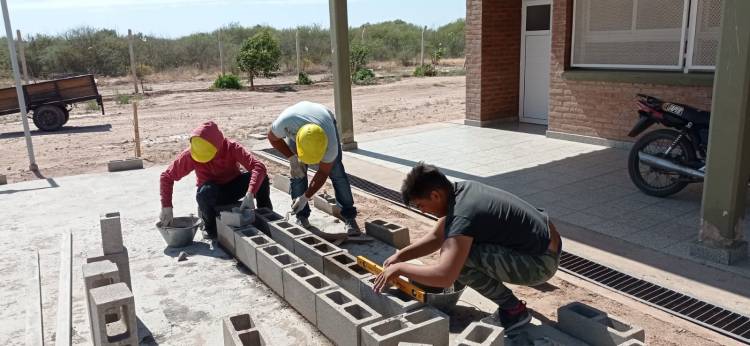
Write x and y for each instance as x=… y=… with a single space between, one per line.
x=582 y=184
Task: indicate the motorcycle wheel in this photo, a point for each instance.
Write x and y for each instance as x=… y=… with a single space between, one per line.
x=654 y=181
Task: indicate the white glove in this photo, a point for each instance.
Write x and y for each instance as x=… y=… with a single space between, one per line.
x=299 y=204
x=248 y=202
x=166 y=216
x=296 y=169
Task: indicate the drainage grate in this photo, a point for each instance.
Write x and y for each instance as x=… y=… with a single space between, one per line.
x=723 y=321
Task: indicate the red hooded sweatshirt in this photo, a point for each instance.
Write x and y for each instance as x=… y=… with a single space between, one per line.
x=221 y=170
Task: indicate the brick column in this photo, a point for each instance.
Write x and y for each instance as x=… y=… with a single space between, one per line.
x=493 y=47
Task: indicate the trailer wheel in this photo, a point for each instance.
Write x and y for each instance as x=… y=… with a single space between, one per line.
x=49 y=118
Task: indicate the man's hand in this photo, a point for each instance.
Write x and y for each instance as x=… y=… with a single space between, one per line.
x=166 y=216
x=392 y=260
x=296 y=169
x=382 y=281
x=248 y=202
x=299 y=204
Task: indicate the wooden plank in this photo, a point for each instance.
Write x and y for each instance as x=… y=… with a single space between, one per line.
x=34 y=316
x=64 y=293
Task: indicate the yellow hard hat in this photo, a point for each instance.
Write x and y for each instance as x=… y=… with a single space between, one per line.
x=311 y=143
x=201 y=150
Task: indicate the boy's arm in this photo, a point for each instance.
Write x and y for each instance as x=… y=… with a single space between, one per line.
x=429 y=243
x=453 y=254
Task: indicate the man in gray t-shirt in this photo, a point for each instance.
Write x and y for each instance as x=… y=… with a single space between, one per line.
x=306 y=134
x=486 y=236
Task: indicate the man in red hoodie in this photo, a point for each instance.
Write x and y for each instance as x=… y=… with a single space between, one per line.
x=215 y=161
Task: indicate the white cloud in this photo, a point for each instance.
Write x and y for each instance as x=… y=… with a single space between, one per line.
x=103 y=4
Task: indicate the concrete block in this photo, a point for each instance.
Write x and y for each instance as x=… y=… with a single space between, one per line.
x=125 y=165
x=122 y=260
x=594 y=326
x=240 y=330
x=389 y=303
x=285 y=233
x=301 y=285
x=327 y=204
x=341 y=316
x=536 y=333
x=226 y=235
x=236 y=217
x=98 y=274
x=729 y=255
x=3 y=180
x=272 y=260
x=111 y=230
x=282 y=182
x=342 y=268
x=114 y=320
x=312 y=249
x=390 y=233
x=263 y=216
x=482 y=334
x=424 y=325
x=247 y=249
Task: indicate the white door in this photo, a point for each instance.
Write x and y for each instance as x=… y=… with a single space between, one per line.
x=535 y=61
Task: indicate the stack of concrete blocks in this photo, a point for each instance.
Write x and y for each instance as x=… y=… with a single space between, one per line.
x=426 y=325
x=112 y=314
x=343 y=269
x=227 y=234
x=247 y=249
x=390 y=302
x=390 y=233
x=3 y=180
x=240 y=330
x=112 y=248
x=282 y=182
x=125 y=165
x=482 y=334
x=264 y=216
x=272 y=260
x=312 y=249
x=595 y=327
x=341 y=316
x=327 y=204
x=285 y=233
x=302 y=283
x=98 y=274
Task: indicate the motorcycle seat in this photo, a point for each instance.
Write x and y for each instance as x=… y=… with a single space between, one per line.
x=696 y=116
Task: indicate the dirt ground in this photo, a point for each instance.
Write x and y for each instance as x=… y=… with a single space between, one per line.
x=90 y=139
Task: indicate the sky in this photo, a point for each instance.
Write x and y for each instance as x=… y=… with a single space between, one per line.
x=174 y=18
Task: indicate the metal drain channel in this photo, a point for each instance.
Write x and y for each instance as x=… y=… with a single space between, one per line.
x=720 y=320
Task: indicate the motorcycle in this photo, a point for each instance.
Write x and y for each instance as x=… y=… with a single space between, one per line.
x=665 y=161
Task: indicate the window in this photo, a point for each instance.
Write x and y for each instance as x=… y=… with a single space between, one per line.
x=646 y=34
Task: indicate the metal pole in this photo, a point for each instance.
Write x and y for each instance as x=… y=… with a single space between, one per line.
x=296 y=42
x=221 y=54
x=421 y=56
x=137 y=135
x=19 y=88
x=342 y=87
x=22 y=54
x=132 y=60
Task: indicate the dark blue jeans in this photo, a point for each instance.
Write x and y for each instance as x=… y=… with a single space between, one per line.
x=210 y=195
x=341 y=187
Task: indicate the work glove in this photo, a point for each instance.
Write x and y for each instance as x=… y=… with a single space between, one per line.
x=166 y=216
x=296 y=169
x=299 y=204
x=248 y=202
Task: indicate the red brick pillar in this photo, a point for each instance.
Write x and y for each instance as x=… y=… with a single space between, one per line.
x=493 y=53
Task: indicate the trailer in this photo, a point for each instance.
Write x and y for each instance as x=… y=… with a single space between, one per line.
x=50 y=102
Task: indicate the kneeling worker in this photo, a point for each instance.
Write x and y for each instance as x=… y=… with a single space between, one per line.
x=486 y=237
x=306 y=134
x=215 y=161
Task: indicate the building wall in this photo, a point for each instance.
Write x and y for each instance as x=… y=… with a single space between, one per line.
x=493 y=45
x=600 y=109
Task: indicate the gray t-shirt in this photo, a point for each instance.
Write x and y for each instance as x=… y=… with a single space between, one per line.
x=492 y=215
x=301 y=114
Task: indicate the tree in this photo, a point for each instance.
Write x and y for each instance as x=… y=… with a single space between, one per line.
x=259 y=56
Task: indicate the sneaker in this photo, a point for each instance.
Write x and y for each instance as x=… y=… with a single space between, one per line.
x=510 y=318
x=303 y=222
x=351 y=228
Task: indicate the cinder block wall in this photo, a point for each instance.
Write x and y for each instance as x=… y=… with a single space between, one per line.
x=599 y=109
x=493 y=45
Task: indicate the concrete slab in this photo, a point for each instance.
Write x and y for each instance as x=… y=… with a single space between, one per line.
x=426 y=325
x=341 y=316
x=342 y=268
x=312 y=249
x=301 y=285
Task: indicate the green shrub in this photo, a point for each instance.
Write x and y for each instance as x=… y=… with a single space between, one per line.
x=91 y=106
x=227 y=81
x=359 y=56
x=426 y=70
x=304 y=79
x=122 y=99
x=364 y=76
